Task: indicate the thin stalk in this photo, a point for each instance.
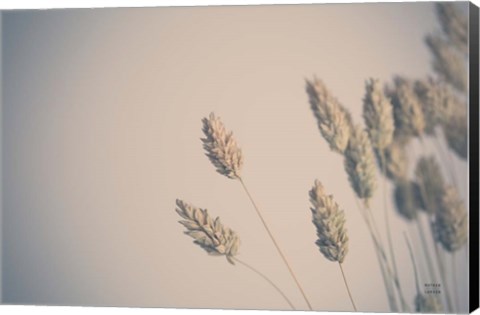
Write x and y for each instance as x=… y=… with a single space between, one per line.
x=420 y=264
x=381 y=248
x=266 y=279
x=441 y=267
x=421 y=233
x=383 y=255
x=423 y=240
x=276 y=244
x=380 y=254
x=374 y=224
x=387 y=272
x=378 y=241
x=387 y=219
x=455 y=282
x=348 y=289
x=412 y=257
x=389 y=234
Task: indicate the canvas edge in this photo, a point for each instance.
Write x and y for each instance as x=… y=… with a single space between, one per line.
x=473 y=158
x=1 y=160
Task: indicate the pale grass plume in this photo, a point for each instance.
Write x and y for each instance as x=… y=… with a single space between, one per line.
x=407 y=111
x=396 y=161
x=431 y=182
x=406 y=193
x=400 y=138
x=451 y=221
x=427 y=304
x=452 y=107
x=221 y=147
x=453 y=121
x=329 y=220
x=436 y=101
x=333 y=120
x=454 y=24
x=360 y=165
x=378 y=115
x=456 y=133
x=448 y=63
x=208 y=233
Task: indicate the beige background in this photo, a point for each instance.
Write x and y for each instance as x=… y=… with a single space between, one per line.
x=102 y=119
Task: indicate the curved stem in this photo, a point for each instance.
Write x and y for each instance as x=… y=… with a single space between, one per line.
x=348 y=289
x=389 y=233
x=441 y=269
x=387 y=219
x=423 y=240
x=455 y=282
x=381 y=248
x=380 y=257
x=412 y=233
x=421 y=233
x=374 y=225
x=266 y=279
x=412 y=257
x=276 y=244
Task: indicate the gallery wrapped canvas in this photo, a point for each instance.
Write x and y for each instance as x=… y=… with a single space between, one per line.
x=318 y=157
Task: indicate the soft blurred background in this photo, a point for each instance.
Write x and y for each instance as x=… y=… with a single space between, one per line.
x=101 y=130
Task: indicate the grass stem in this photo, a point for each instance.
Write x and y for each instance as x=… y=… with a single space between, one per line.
x=389 y=233
x=348 y=289
x=382 y=259
x=441 y=266
x=284 y=258
x=248 y=266
x=412 y=257
x=439 y=258
x=426 y=251
x=455 y=282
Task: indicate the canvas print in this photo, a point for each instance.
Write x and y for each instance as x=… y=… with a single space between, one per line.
x=281 y=157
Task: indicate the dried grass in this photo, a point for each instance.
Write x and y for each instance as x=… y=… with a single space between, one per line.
x=360 y=165
x=208 y=233
x=221 y=147
x=333 y=120
x=451 y=221
x=378 y=115
x=430 y=179
x=330 y=223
